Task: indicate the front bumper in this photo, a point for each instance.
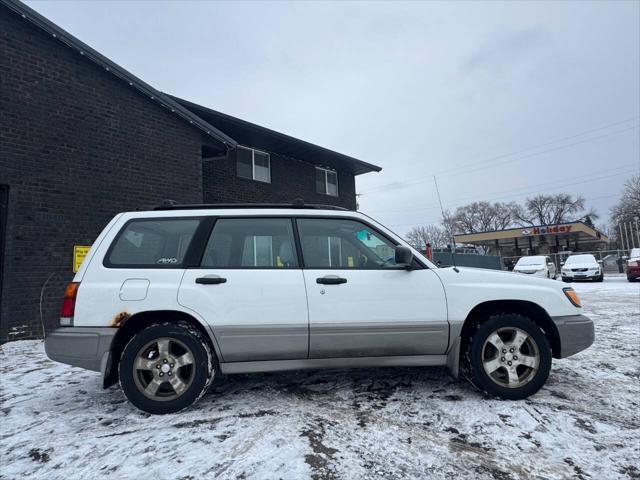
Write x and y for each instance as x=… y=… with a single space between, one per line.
x=84 y=347
x=576 y=333
x=579 y=276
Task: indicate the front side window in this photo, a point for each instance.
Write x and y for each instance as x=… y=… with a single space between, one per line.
x=251 y=243
x=253 y=164
x=326 y=181
x=338 y=243
x=153 y=243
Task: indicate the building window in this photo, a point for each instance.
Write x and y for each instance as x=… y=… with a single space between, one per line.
x=327 y=181
x=253 y=164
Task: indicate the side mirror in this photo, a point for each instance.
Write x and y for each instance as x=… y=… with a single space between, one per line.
x=403 y=256
x=561 y=263
x=600 y=262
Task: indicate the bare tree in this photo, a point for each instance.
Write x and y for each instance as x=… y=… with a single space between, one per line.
x=628 y=207
x=481 y=217
x=421 y=235
x=552 y=209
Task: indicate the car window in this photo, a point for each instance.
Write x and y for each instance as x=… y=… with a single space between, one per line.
x=339 y=243
x=153 y=243
x=251 y=243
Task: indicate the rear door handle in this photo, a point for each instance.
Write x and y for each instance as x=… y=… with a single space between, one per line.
x=211 y=280
x=331 y=280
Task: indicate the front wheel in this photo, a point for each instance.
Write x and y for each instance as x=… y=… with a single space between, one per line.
x=509 y=357
x=166 y=367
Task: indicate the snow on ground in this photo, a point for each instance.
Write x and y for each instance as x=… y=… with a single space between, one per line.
x=58 y=423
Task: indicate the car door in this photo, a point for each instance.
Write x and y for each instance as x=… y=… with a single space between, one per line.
x=360 y=303
x=250 y=289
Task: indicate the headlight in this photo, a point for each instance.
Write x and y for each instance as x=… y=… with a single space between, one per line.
x=572 y=296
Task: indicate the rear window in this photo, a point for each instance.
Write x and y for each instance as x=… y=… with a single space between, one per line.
x=529 y=261
x=156 y=243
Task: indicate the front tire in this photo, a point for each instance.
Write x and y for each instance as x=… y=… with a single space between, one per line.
x=166 y=367
x=509 y=357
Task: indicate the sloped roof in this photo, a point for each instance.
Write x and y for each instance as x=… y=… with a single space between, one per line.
x=252 y=135
x=224 y=129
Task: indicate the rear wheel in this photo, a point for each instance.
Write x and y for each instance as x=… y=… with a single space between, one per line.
x=509 y=357
x=166 y=367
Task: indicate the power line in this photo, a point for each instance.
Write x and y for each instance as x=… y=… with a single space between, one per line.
x=483 y=163
x=431 y=222
x=528 y=190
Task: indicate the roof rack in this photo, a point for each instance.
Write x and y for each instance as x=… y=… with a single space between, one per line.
x=173 y=205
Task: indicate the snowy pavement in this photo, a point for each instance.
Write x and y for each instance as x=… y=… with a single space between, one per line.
x=56 y=422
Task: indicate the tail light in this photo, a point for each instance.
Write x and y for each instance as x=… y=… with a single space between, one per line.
x=69 y=304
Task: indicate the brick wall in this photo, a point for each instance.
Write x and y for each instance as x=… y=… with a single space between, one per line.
x=77 y=146
x=290 y=179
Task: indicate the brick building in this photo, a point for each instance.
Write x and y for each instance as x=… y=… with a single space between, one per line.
x=82 y=139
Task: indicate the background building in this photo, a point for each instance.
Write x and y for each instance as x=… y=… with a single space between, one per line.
x=82 y=139
x=538 y=240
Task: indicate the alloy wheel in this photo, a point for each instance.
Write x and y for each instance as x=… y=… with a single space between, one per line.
x=510 y=357
x=163 y=369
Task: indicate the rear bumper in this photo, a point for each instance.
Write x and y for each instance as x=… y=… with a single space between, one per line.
x=84 y=347
x=576 y=333
x=633 y=272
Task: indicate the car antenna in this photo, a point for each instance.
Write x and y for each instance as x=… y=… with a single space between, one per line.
x=453 y=240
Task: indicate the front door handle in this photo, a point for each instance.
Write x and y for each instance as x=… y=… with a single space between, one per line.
x=331 y=280
x=211 y=280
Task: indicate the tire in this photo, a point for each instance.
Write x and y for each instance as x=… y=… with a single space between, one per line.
x=188 y=364
x=526 y=378
x=600 y=278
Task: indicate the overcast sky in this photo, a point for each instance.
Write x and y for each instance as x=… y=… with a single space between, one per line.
x=500 y=100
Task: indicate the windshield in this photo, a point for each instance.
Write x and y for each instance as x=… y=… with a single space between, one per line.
x=580 y=259
x=530 y=262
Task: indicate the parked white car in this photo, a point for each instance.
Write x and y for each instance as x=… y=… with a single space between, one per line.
x=582 y=267
x=537 y=266
x=168 y=300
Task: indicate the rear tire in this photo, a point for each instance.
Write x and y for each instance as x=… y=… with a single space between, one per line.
x=166 y=367
x=509 y=357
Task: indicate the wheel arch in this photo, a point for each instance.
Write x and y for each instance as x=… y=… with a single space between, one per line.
x=483 y=311
x=128 y=326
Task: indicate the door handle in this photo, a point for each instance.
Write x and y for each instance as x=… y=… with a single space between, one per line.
x=331 y=280
x=211 y=280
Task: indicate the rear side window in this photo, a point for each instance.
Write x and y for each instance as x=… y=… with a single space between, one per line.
x=251 y=243
x=153 y=243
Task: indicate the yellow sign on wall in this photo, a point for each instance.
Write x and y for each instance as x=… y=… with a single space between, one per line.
x=79 y=252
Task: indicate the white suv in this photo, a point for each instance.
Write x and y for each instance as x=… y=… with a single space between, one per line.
x=168 y=300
